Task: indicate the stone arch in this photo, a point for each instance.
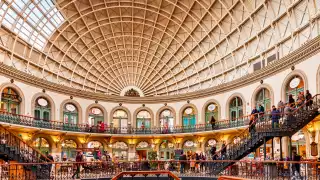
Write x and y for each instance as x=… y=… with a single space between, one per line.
x=18 y=90
x=120 y=108
x=46 y=96
x=288 y=78
x=80 y=120
x=204 y=107
x=141 y=109
x=46 y=137
x=183 y=108
x=229 y=100
x=257 y=90
x=162 y=109
x=96 y=105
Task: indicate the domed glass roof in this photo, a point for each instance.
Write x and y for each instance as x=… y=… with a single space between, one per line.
x=162 y=47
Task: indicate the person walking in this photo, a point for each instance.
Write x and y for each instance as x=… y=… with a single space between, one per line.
x=78 y=165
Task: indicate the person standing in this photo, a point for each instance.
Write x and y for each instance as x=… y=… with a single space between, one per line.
x=281 y=106
x=275 y=116
x=297 y=159
x=78 y=165
x=50 y=160
x=291 y=101
x=183 y=159
x=213 y=122
x=309 y=101
x=223 y=150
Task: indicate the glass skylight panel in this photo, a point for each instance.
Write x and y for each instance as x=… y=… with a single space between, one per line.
x=34 y=21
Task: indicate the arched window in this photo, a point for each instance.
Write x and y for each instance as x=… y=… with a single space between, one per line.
x=120 y=150
x=189 y=117
x=42 y=145
x=10 y=101
x=120 y=120
x=166 y=118
x=95 y=116
x=42 y=109
x=263 y=98
x=69 y=149
x=212 y=111
x=70 y=113
x=166 y=150
x=294 y=87
x=236 y=109
x=143 y=119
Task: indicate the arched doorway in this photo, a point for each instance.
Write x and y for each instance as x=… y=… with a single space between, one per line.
x=69 y=149
x=10 y=101
x=166 y=150
x=212 y=111
x=236 y=108
x=42 y=145
x=120 y=121
x=166 y=120
x=263 y=97
x=70 y=114
x=143 y=119
x=95 y=116
x=189 y=117
x=42 y=109
x=294 y=86
x=120 y=150
x=95 y=149
x=142 y=149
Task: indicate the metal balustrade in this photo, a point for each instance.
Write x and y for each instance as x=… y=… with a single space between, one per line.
x=264 y=170
x=263 y=129
x=17 y=119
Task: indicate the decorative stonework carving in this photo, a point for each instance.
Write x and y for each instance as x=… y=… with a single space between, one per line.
x=132 y=93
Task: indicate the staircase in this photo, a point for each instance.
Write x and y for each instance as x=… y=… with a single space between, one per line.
x=13 y=148
x=249 y=141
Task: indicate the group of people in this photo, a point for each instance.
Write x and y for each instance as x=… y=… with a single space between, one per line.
x=192 y=162
x=283 y=109
x=100 y=127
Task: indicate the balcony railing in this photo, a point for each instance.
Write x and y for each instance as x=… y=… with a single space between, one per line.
x=141 y=169
x=23 y=120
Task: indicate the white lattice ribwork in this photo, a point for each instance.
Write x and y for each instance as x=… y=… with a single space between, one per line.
x=160 y=46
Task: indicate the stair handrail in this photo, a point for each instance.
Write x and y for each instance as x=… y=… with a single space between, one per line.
x=36 y=150
x=256 y=119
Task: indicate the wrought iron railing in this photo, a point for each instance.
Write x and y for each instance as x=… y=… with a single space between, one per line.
x=109 y=169
x=264 y=127
x=14 y=148
x=23 y=120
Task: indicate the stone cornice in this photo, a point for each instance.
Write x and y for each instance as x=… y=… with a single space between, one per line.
x=307 y=50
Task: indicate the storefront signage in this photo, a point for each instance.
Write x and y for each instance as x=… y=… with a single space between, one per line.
x=70 y=107
x=188 y=111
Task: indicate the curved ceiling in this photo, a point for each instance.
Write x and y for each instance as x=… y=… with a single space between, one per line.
x=162 y=47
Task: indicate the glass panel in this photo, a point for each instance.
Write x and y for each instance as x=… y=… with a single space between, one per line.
x=46 y=116
x=37 y=114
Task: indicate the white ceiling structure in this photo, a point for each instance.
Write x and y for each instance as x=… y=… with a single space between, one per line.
x=162 y=47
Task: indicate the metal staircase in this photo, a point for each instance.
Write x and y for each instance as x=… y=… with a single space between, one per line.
x=13 y=148
x=263 y=131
